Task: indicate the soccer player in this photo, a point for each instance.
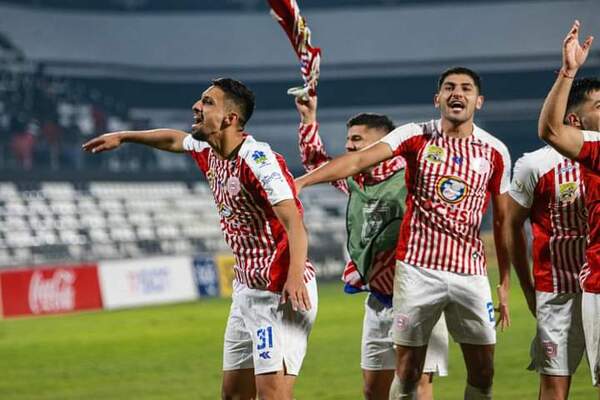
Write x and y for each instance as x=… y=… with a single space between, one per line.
x=548 y=190
x=570 y=122
x=261 y=219
x=376 y=205
x=453 y=168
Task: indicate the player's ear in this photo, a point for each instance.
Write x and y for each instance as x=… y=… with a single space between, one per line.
x=479 y=102
x=231 y=118
x=573 y=120
x=436 y=100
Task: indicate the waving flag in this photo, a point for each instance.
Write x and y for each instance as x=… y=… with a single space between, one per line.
x=287 y=13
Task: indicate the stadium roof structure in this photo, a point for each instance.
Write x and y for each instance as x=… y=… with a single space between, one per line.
x=222 y=5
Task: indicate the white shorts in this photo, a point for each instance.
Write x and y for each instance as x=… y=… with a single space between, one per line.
x=377 y=348
x=590 y=310
x=559 y=344
x=422 y=294
x=265 y=335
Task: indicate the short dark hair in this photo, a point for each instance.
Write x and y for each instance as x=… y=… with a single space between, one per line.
x=372 y=120
x=460 y=71
x=239 y=94
x=579 y=91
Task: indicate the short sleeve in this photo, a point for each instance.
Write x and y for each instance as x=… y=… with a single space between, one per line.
x=192 y=145
x=589 y=156
x=500 y=180
x=399 y=139
x=270 y=173
x=525 y=179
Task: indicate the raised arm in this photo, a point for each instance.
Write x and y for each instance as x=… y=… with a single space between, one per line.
x=516 y=243
x=347 y=165
x=294 y=288
x=312 y=149
x=162 y=139
x=566 y=139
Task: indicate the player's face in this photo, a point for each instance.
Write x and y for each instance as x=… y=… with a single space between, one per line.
x=589 y=112
x=210 y=113
x=458 y=98
x=361 y=136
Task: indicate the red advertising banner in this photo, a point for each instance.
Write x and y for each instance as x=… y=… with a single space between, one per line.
x=50 y=290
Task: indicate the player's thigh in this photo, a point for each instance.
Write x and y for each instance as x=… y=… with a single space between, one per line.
x=238 y=384
x=420 y=294
x=591 y=327
x=479 y=361
x=559 y=344
x=377 y=349
x=275 y=386
x=470 y=310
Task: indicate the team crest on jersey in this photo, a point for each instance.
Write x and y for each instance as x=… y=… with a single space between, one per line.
x=259 y=157
x=233 y=186
x=435 y=154
x=568 y=192
x=225 y=211
x=452 y=189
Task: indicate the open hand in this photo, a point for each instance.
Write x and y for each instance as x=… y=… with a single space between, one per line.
x=108 y=141
x=574 y=53
x=504 y=317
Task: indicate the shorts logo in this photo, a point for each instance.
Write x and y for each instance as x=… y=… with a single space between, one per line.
x=402 y=322
x=233 y=186
x=452 y=189
x=550 y=348
x=480 y=165
x=264 y=341
x=568 y=192
x=518 y=186
x=490 y=309
x=435 y=154
x=259 y=157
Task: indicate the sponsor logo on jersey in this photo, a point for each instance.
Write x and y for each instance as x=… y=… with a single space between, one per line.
x=568 y=192
x=225 y=211
x=275 y=176
x=567 y=168
x=435 y=154
x=480 y=165
x=259 y=157
x=452 y=189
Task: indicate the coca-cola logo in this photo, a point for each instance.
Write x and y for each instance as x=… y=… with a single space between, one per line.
x=53 y=294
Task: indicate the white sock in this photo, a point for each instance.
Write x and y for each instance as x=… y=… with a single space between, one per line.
x=475 y=393
x=399 y=390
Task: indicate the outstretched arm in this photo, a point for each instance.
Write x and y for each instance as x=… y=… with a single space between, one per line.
x=347 y=165
x=500 y=206
x=566 y=139
x=517 y=248
x=294 y=288
x=162 y=139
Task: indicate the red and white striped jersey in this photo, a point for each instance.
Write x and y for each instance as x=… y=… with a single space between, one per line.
x=589 y=158
x=449 y=182
x=245 y=189
x=551 y=186
x=313 y=154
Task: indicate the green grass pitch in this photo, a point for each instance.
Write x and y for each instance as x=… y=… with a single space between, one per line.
x=174 y=352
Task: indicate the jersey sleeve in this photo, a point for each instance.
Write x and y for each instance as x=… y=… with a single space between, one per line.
x=589 y=156
x=198 y=151
x=524 y=181
x=500 y=180
x=271 y=174
x=312 y=151
x=402 y=139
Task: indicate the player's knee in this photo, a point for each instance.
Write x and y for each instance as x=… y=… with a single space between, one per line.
x=371 y=391
x=482 y=377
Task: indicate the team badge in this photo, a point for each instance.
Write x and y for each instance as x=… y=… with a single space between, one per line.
x=233 y=186
x=402 y=322
x=435 y=154
x=480 y=165
x=259 y=157
x=550 y=348
x=568 y=192
x=452 y=189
